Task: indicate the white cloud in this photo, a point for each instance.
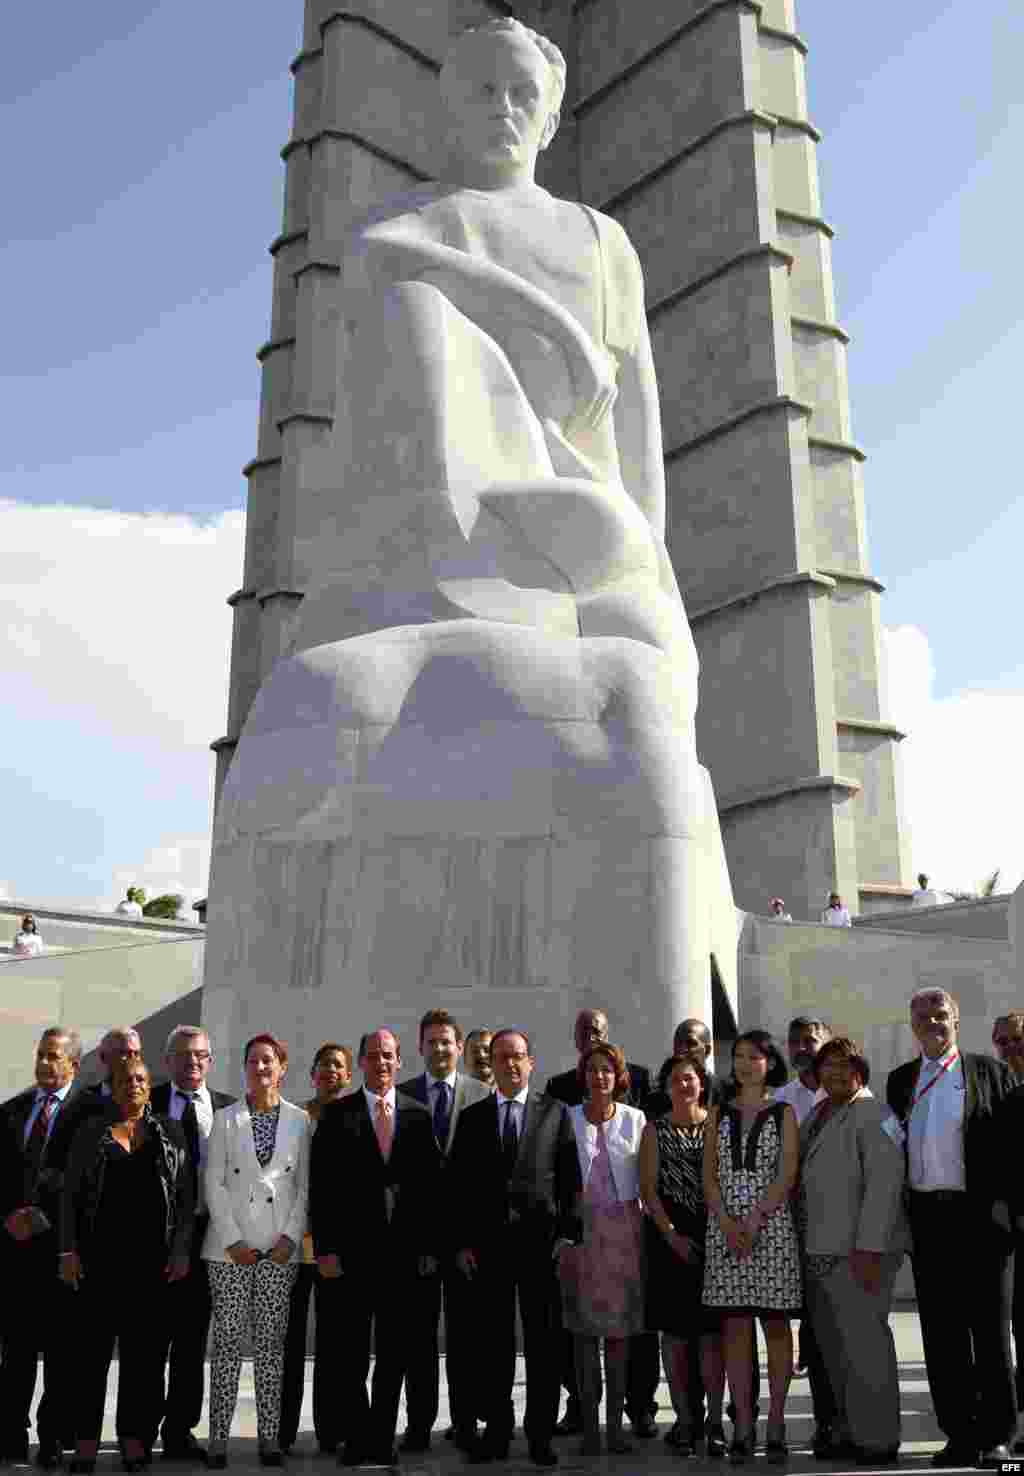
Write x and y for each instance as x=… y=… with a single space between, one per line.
x=964 y=807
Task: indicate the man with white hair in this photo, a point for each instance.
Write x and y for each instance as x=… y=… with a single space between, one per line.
x=950 y=1102
x=188 y=1099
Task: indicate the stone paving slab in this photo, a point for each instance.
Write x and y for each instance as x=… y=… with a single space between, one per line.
x=921 y=1436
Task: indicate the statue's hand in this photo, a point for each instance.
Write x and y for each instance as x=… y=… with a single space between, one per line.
x=596 y=392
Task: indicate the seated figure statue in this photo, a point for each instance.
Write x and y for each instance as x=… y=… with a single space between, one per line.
x=497 y=654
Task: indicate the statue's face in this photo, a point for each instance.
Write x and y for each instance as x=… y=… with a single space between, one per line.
x=497 y=90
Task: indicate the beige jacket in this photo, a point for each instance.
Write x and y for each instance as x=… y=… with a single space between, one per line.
x=852 y=1172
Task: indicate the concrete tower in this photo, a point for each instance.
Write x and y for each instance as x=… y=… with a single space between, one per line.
x=688 y=123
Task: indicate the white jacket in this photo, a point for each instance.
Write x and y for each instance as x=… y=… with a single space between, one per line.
x=250 y=1203
x=622 y=1135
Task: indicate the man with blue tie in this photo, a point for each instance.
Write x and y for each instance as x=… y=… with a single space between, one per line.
x=187 y=1099
x=515 y=1179
x=444 y=1090
x=34 y=1300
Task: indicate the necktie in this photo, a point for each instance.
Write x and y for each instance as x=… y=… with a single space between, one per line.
x=442 y=1114
x=384 y=1128
x=35 y=1145
x=509 y=1138
x=190 y=1127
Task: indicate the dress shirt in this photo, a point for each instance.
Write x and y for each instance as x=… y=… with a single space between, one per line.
x=518 y=1108
x=371 y=1103
x=27 y=945
x=433 y=1082
x=204 y=1121
x=935 y=1141
x=37 y=1107
x=802 y=1099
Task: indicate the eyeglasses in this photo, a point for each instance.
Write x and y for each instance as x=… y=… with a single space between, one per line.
x=194 y=1055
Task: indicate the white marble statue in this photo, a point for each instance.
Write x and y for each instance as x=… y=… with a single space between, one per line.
x=477 y=769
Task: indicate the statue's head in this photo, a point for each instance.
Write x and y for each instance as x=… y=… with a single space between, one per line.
x=502 y=86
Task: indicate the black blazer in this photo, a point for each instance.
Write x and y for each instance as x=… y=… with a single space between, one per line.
x=467 y=1091
x=987 y=1084
x=81 y=1104
x=13 y=1117
x=566 y=1086
x=540 y=1195
x=349 y=1180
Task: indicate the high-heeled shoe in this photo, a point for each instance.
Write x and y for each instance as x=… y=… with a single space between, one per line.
x=741 y=1450
x=717 y=1445
x=776 y=1451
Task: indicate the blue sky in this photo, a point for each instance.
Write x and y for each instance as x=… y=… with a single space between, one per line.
x=144 y=185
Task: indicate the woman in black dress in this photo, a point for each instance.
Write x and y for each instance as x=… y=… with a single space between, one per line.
x=671 y=1182
x=126 y=1223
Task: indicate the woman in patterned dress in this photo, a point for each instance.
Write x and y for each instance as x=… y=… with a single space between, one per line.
x=672 y=1185
x=752 y=1266
x=602 y=1277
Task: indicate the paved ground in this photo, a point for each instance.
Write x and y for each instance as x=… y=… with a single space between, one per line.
x=652 y=1457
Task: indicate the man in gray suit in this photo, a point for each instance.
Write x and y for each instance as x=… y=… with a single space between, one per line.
x=444 y=1090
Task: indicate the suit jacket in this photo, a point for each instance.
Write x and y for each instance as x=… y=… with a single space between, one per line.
x=160 y=1099
x=246 y=1201
x=987 y=1083
x=366 y=1211
x=539 y=1196
x=566 y=1086
x=467 y=1090
x=13 y=1117
x=852 y=1172
x=81 y=1104
x=1011 y=1134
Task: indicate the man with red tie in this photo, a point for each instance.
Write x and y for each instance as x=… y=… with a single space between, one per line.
x=34 y=1301
x=374 y=1190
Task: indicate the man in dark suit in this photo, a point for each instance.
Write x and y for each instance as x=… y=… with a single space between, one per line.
x=187 y=1099
x=950 y=1102
x=691 y=1038
x=376 y=1202
x=444 y=1090
x=35 y=1303
x=644 y=1358
x=515 y=1181
x=1008 y=1040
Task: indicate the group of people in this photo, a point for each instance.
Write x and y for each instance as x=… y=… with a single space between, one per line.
x=625 y=1218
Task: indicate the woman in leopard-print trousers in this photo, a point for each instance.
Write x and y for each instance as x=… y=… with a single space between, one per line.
x=256 y=1188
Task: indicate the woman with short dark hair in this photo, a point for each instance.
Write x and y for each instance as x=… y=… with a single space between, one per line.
x=126 y=1225
x=257 y=1176
x=752 y=1268
x=602 y=1276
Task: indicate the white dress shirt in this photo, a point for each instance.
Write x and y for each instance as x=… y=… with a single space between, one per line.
x=433 y=1082
x=518 y=1109
x=837 y=917
x=371 y=1103
x=935 y=1129
x=204 y=1120
x=802 y=1099
x=27 y=945
x=37 y=1107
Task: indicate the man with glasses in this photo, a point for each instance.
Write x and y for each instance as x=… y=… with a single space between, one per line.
x=188 y=1099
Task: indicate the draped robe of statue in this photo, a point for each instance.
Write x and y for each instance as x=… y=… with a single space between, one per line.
x=477 y=770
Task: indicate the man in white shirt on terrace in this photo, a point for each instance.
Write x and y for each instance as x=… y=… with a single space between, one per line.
x=835 y=914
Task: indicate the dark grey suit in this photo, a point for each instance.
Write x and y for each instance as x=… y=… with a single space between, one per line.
x=421 y=1375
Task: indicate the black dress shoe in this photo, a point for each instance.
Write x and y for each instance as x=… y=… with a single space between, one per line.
x=463 y=1438
x=543 y=1455
x=414 y=1443
x=888 y=1457
x=14 y=1455
x=387 y=1456
x=645 y=1425
x=218 y=1461
x=1018 y=1447
x=571 y=1423
x=183 y=1448
x=327 y=1448
x=489 y=1448
x=994 y=1456
x=351 y=1454
x=271 y=1458
x=49 y=1455
x=954 y=1453
x=82 y=1465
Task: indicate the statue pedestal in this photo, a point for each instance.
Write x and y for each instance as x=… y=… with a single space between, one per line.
x=468 y=814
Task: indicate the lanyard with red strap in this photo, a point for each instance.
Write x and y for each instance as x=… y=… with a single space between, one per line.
x=919 y=1096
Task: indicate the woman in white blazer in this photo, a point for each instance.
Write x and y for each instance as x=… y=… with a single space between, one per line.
x=257 y=1186
x=603 y=1276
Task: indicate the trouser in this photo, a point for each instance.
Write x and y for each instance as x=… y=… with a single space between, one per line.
x=35 y=1319
x=376 y=1299
x=854 y=1341
x=1018 y=1314
x=462 y=1349
x=254 y=1300
x=823 y=1401
x=518 y=1264
x=124 y=1305
x=962 y=1276
x=186 y=1325
x=331 y=1317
